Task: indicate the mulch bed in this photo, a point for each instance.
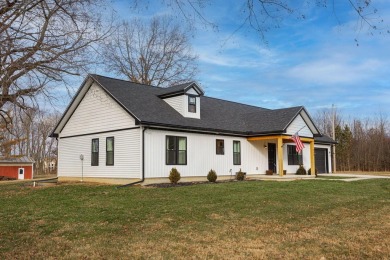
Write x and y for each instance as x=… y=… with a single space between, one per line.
x=183 y=184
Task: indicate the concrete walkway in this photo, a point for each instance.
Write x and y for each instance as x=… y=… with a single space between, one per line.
x=351 y=177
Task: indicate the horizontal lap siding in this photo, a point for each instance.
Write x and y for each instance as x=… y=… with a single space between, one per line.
x=97 y=112
x=201 y=155
x=177 y=103
x=127 y=161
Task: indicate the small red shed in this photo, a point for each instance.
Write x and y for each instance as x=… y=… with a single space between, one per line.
x=17 y=168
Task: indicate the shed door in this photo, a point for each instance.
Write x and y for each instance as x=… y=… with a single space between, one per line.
x=21 y=173
x=321 y=158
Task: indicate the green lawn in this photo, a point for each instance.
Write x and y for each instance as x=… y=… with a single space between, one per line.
x=306 y=219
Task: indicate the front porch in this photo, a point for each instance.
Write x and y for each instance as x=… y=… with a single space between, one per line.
x=280 y=141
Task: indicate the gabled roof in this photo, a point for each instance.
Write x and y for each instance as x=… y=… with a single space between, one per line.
x=146 y=105
x=180 y=89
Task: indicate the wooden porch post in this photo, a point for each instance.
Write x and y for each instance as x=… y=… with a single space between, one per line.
x=280 y=155
x=312 y=158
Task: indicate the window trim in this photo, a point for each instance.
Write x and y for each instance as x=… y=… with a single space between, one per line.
x=217 y=151
x=239 y=153
x=92 y=152
x=294 y=158
x=191 y=104
x=113 y=150
x=176 y=150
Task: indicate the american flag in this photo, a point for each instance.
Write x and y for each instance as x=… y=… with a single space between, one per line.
x=299 y=145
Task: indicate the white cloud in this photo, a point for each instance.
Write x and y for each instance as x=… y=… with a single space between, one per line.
x=334 y=70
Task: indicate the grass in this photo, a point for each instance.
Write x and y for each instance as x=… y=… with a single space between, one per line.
x=295 y=220
x=334 y=177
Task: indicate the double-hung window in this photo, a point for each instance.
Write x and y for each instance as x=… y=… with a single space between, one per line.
x=294 y=158
x=95 y=152
x=110 y=151
x=176 y=150
x=192 y=104
x=236 y=153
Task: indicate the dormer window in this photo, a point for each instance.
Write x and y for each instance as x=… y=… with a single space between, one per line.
x=192 y=104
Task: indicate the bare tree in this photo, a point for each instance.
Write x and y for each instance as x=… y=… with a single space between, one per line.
x=263 y=15
x=42 y=42
x=155 y=53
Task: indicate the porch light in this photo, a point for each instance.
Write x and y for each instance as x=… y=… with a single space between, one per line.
x=265 y=146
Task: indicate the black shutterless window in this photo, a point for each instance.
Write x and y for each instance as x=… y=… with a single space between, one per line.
x=176 y=150
x=95 y=152
x=192 y=104
x=236 y=153
x=220 y=146
x=110 y=151
x=294 y=158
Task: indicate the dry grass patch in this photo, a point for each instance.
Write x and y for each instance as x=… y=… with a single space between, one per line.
x=261 y=220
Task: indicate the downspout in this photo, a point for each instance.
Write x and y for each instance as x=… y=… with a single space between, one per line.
x=143 y=163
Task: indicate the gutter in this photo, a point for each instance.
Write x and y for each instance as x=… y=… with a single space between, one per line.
x=143 y=163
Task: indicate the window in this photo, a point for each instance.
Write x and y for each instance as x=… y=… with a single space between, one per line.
x=294 y=158
x=236 y=153
x=95 y=152
x=110 y=151
x=192 y=104
x=220 y=146
x=176 y=153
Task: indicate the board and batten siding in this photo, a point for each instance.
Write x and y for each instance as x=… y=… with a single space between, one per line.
x=127 y=152
x=299 y=125
x=97 y=112
x=305 y=158
x=201 y=155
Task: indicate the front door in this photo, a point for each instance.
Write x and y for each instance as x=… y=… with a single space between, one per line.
x=21 y=173
x=272 y=157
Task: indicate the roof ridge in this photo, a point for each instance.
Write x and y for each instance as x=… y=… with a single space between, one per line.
x=143 y=84
x=237 y=103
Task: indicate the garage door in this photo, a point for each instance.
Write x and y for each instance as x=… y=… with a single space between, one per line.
x=321 y=157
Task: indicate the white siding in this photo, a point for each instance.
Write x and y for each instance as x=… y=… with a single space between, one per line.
x=97 y=112
x=297 y=125
x=201 y=155
x=127 y=161
x=305 y=157
x=177 y=103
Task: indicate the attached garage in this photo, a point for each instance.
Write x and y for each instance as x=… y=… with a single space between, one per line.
x=321 y=159
x=17 y=168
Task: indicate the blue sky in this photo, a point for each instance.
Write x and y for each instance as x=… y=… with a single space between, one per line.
x=314 y=62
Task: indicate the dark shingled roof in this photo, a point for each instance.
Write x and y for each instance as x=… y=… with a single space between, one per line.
x=324 y=139
x=144 y=103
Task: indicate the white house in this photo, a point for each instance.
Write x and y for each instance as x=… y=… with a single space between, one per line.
x=127 y=131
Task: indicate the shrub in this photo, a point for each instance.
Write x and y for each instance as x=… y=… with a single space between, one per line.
x=240 y=176
x=174 y=176
x=212 y=176
x=301 y=170
x=309 y=172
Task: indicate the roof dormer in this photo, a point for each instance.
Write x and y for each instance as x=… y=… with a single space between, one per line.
x=184 y=98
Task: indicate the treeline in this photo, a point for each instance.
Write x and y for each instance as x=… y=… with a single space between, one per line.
x=363 y=144
x=27 y=134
